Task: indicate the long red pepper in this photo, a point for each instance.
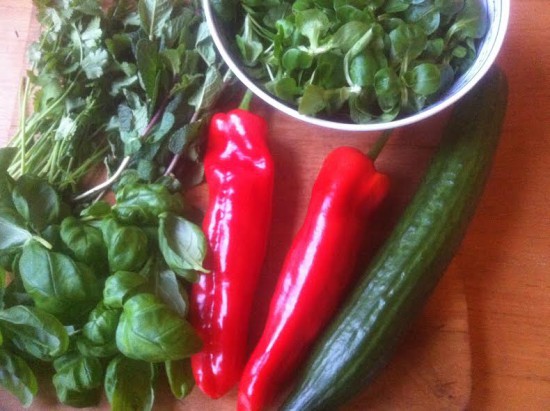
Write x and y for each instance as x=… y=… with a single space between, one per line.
x=317 y=271
x=239 y=173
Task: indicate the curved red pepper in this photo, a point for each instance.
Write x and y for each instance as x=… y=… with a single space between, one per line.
x=240 y=176
x=316 y=274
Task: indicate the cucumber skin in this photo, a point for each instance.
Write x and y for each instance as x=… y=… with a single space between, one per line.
x=396 y=285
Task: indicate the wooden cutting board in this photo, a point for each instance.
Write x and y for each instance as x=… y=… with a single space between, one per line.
x=431 y=368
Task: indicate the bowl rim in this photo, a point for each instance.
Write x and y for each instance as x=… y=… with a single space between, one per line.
x=435 y=108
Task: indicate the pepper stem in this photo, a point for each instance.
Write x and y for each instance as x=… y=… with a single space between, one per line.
x=245 y=102
x=379 y=144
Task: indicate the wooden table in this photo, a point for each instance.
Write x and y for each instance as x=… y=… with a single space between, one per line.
x=502 y=267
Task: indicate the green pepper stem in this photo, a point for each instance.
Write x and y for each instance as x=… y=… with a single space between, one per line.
x=245 y=102
x=379 y=144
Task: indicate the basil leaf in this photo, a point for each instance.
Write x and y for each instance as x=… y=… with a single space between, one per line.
x=143 y=203
x=127 y=246
x=129 y=384
x=120 y=286
x=182 y=244
x=13 y=233
x=78 y=380
x=180 y=377
x=57 y=284
x=85 y=243
x=36 y=201
x=149 y=331
x=34 y=332
x=17 y=377
x=98 y=334
x=172 y=293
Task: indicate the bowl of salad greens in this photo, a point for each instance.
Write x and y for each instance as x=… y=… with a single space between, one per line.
x=358 y=65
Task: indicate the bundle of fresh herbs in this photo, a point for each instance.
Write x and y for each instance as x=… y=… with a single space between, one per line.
x=96 y=292
x=130 y=85
x=360 y=60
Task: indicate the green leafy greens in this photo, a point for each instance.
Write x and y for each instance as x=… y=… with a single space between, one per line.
x=364 y=61
x=114 y=85
x=98 y=291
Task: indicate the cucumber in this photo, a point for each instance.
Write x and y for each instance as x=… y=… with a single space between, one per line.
x=395 y=286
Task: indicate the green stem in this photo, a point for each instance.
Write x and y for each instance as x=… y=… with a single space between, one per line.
x=379 y=144
x=42 y=241
x=23 y=120
x=245 y=102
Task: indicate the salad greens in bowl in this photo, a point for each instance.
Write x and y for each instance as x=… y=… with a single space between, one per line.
x=358 y=64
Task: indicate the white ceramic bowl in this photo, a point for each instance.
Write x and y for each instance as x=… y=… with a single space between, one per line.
x=498 y=12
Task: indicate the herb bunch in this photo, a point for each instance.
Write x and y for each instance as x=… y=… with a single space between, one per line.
x=130 y=85
x=360 y=60
x=97 y=297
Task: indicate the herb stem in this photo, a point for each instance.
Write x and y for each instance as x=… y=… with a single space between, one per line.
x=379 y=144
x=107 y=183
x=42 y=241
x=176 y=158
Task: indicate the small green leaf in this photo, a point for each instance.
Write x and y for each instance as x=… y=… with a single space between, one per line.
x=148 y=64
x=312 y=24
x=17 y=377
x=424 y=79
x=172 y=293
x=129 y=384
x=209 y=91
x=388 y=89
x=154 y=14
x=362 y=69
x=182 y=244
x=150 y=331
x=348 y=35
x=34 y=332
x=57 y=284
x=312 y=100
x=471 y=22
x=296 y=59
x=407 y=41
x=36 y=201
x=285 y=88
x=78 y=380
x=13 y=233
x=167 y=122
x=120 y=286
x=180 y=377
x=94 y=63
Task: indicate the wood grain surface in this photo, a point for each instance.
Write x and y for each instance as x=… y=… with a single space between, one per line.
x=483 y=341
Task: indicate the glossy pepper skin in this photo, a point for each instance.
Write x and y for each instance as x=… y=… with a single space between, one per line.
x=317 y=272
x=240 y=175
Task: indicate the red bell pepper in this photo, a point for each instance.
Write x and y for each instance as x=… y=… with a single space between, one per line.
x=316 y=274
x=240 y=175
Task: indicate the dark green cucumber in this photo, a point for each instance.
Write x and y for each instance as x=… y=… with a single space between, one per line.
x=397 y=283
